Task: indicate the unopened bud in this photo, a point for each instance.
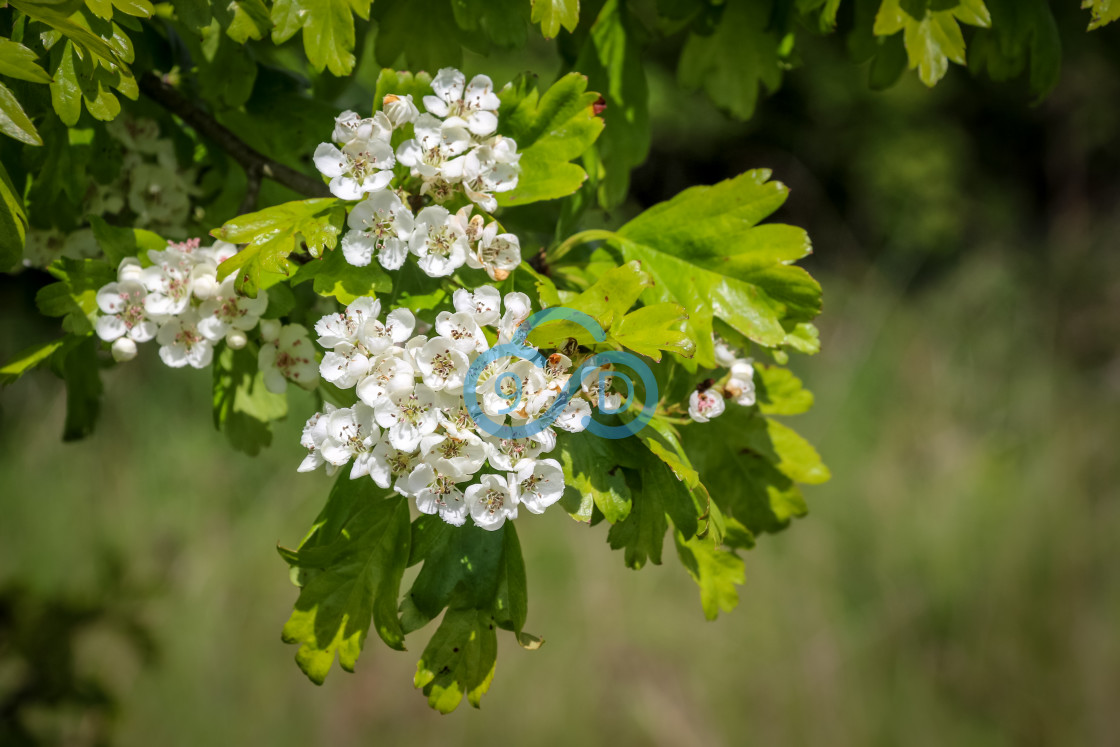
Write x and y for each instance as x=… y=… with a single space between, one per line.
x=204 y=286
x=236 y=339
x=124 y=349
x=399 y=109
x=270 y=329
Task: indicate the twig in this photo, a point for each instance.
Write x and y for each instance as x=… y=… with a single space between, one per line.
x=250 y=159
x=252 y=190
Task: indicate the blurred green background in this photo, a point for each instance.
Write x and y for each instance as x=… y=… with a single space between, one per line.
x=955 y=583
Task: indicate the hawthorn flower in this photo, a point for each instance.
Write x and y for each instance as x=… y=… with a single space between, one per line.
x=487 y=169
x=726 y=356
x=460 y=456
x=435 y=493
x=575 y=416
x=314 y=435
x=441 y=247
x=434 y=145
x=124 y=312
x=518 y=308
x=491 y=502
x=399 y=109
x=506 y=454
x=349 y=126
x=351 y=434
x=442 y=364
x=538 y=484
x=344 y=366
x=408 y=415
x=377 y=337
x=182 y=344
x=168 y=281
x=706 y=405
x=357 y=169
x=388 y=372
x=387 y=463
x=288 y=357
x=740 y=387
x=496 y=253
x=476 y=105
x=462 y=329
x=381 y=225
x=335 y=329
x=123 y=349
x=227 y=310
x=483 y=303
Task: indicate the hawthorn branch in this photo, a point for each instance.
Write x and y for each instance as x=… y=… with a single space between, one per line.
x=255 y=163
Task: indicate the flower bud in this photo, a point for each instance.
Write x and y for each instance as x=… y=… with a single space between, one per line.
x=270 y=329
x=204 y=286
x=399 y=109
x=236 y=339
x=124 y=349
x=129 y=269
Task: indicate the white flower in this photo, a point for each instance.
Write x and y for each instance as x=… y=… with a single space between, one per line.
x=476 y=106
x=349 y=127
x=458 y=457
x=538 y=484
x=388 y=372
x=496 y=253
x=483 y=304
x=725 y=354
x=428 y=153
x=442 y=364
x=377 y=337
x=506 y=454
x=124 y=312
x=488 y=169
x=510 y=392
x=436 y=240
x=705 y=405
x=462 y=329
x=491 y=502
x=379 y=224
x=518 y=309
x=334 y=329
x=290 y=357
x=575 y=416
x=409 y=415
x=314 y=434
x=386 y=463
x=741 y=384
x=344 y=366
x=228 y=309
x=270 y=329
x=168 y=282
x=399 y=109
x=124 y=349
x=351 y=434
x=360 y=167
x=435 y=493
x=182 y=344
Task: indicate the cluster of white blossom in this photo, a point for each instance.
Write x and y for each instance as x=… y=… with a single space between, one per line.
x=709 y=403
x=177 y=300
x=455 y=146
x=411 y=427
x=151 y=185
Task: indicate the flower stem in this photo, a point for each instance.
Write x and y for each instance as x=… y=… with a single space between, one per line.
x=593 y=234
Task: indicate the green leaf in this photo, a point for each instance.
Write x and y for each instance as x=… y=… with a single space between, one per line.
x=17 y=61
x=77 y=365
x=13 y=222
x=439 y=46
x=1020 y=29
x=594 y=467
x=328 y=32
x=715 y=570
x=1103 y=11
x=462 y=568
x=459 y=660
x=642 y=534
x=274 y=233
x=934 y=39
x=27 y=359
x=611 y=58
x=779 y=392
x=138 y=8
x=14 y=122
x=503 y=21
x=651 y=329
x=550 y=130
x=334 y=276
x=552 y=14
x=243 y=407
x=118 y=243
x=607 y=301
x=789 y=452
x=74 y=296
x=245 y=19
x=704 y=250
x=350 y=570
x=66 y=94
x=401 y=83
x=735 y=60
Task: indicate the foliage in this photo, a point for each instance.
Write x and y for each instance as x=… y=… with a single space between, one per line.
x=694 y=284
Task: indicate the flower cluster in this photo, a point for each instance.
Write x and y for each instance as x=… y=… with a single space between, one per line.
x=411 y=428
x=708 y=402
x=454 y=147
x=177 y=300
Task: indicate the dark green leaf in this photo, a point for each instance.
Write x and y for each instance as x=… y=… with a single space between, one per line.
x=243 y=407
x=14 y=122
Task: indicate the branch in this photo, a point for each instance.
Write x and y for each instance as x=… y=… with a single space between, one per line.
x=255 y=163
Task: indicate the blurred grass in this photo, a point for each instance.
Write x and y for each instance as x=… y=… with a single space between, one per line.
x=953 y=584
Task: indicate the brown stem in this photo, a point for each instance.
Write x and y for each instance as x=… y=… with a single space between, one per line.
x=255 y=163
